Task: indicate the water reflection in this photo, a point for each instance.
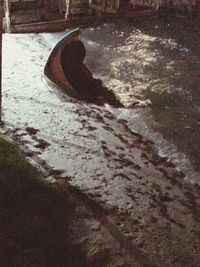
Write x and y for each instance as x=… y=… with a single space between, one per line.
x=156 y=60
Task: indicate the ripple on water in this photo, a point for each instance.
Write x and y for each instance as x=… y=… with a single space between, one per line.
x=157 y=64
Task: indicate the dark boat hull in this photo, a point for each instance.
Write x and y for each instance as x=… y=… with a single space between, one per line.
x=53 y=69
x=54 y=73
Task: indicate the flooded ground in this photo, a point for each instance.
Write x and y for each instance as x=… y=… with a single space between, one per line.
x=157 y=62
x=153 y=64
x=137 y=163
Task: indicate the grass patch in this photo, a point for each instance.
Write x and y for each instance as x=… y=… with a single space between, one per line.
x=34 y=216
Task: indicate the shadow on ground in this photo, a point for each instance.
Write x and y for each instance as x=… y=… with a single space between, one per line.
x=35 y=217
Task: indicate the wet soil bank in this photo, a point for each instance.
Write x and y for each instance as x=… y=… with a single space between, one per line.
x=151 y=214
x=46 y=224
x=34 y=216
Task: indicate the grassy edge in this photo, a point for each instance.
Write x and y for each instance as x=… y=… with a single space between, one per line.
x=34 y=215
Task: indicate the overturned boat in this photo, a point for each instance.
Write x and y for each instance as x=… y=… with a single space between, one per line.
x=55 y=74
x=53 y=70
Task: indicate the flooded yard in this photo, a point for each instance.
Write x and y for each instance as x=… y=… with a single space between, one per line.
x=139 y=163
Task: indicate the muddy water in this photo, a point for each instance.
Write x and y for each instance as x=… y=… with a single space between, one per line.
x=154 y=64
